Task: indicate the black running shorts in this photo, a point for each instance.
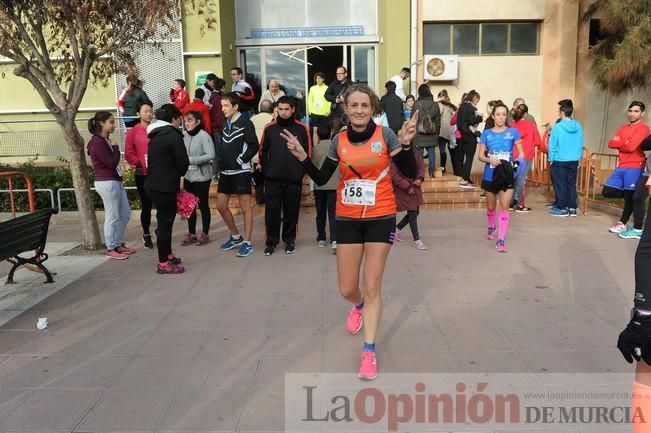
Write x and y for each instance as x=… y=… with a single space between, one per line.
x=234 y=184
x=363 y=231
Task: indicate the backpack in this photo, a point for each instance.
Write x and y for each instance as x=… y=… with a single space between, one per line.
x=425 y=124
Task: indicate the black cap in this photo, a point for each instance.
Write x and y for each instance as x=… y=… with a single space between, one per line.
x=406 y=71
x=211 y=77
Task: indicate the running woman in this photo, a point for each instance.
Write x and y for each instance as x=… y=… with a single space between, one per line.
x=496 y=150
x=634 y=341
x=366 y=207
x=623 y=181
x=136 y=148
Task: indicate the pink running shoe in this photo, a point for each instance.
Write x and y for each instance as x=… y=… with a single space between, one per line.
x=170 y=269
x=397 y=236
x=203 y=239
x=125 y=250
x=368 y=368
x=490 y=234
x=355 y=320
x=501 y=248
x=189 y=239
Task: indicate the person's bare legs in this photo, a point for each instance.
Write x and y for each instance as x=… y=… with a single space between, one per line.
x=375 y=257
x=349 y=261
x=245 y=206
x=225 y=212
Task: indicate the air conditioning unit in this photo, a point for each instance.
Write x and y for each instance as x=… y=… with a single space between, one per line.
x=441 y=68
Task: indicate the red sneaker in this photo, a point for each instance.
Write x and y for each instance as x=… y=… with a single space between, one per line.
x=116 y=255
x=125 y=250
x=355 y=320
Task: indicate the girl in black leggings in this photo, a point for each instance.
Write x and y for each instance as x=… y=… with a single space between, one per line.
x=167 y=162
x=467 y=122
x=201 y=151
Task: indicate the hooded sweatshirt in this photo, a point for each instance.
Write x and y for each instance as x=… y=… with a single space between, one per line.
x=627 y=141
x=201 y=151
x=167 y=159
x=566 y=141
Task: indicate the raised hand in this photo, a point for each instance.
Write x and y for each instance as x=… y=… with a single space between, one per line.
x=408 y=130
x=293 y=145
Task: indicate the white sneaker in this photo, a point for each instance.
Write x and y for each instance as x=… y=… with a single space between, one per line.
x=333 y=247
x=322 y=244
x=620 y=227
x=419 y=245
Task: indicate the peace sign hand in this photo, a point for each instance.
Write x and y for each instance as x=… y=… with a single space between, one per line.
x=293 y=145
x=408 y=130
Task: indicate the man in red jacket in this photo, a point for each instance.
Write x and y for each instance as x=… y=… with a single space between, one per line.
x=179 y=95
x=623 y=181
x=198 y=105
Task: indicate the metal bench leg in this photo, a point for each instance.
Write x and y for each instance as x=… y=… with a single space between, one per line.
x=47 y=273
x=10 y=277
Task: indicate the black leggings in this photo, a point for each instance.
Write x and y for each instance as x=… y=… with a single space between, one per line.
x=200 y=189
x=165 y=214
x=443 y=143
x=643 y=266
x=467 y=154
x=626 y=194
x=411 y=218
x=145 y=203
x=639 y=198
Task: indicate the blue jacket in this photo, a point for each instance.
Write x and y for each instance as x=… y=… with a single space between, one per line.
x=566 y=141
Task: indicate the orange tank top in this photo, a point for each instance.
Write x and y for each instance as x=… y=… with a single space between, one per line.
x=365 y=189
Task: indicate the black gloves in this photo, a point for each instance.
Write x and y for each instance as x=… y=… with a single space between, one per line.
x=634 y=337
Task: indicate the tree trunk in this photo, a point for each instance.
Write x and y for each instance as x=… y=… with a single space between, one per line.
x=91 y=239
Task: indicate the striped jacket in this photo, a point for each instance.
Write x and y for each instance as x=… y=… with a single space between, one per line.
x=238 y=145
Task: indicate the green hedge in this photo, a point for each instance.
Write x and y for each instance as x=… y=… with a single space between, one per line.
x=54 y=178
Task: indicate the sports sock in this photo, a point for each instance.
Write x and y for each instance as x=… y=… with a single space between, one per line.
x=369 y=347
x=503 y=225
x=490 y=215
x=360 y=306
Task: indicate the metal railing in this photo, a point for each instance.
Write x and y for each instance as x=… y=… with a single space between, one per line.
x=45 y=142
x=9 y=175
x=599 y=166
x=128 y=188
x=52 y=203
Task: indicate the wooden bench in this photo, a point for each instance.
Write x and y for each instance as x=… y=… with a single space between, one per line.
x=26 y=233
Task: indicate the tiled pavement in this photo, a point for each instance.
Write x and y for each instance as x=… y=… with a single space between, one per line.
x=129 y=350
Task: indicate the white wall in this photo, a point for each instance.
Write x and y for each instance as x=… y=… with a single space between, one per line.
x=469 y=10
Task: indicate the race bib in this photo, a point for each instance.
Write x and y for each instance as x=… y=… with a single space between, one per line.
x=359 y=192
x=193 y=167
x=318 y=105
x=502 y=156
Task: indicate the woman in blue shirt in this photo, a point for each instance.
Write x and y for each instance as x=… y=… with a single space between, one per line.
x=496 y=150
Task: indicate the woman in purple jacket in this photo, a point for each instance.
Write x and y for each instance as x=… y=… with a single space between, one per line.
x=105 y=157
x=409 y=197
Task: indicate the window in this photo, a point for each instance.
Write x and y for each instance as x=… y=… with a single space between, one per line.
x=436 y=38
x=495 y=38
x=483 y=39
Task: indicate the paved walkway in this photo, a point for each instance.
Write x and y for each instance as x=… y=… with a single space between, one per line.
x=129 y=350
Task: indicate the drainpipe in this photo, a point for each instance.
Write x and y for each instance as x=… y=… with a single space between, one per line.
x=414 y=46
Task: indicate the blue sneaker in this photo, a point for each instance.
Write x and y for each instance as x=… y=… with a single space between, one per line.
x=231 y=243
x=572 y=213
x=631 y=233
x=245 y=249
x=559 y=212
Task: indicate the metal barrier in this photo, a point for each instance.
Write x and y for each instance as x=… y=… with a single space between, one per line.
x=30 y=190
x=128 y=188
x=45 y=142
x=35 y=190
x=598 y=167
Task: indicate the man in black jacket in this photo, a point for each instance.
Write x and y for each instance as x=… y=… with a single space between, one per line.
x=335 y=94
x=283 y=176
x=238 y=145
x=393 y=107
